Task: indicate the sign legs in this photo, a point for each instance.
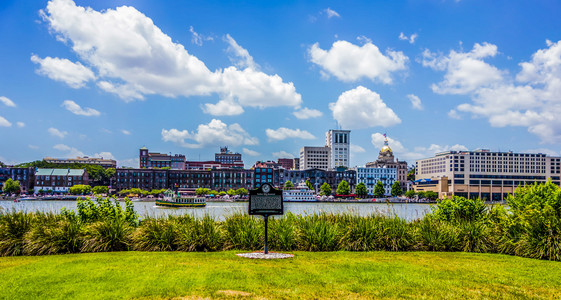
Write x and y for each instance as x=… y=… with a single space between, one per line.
x=266 y=217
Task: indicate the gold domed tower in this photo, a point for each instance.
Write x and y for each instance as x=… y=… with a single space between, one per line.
x=386 y=154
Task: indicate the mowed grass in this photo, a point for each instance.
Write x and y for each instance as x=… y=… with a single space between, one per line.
x=156 y=275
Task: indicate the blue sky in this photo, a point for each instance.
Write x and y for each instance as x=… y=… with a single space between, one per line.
x=104 y=78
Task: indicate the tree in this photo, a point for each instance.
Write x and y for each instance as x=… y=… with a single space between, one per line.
x=325 y=189
x=421 y=194
x=379 y=189
x=222 y=193
x=100 y=189
x=202 y=191
x=231 y=192
x=288 y=184
x=11 y=187
x=361 y=190
x=396 y=189
x=310 y=185
x=343 y=188
x=431 y=195
x=80 y=189
x=242 y=192
x=411 y=174
x=410 y=194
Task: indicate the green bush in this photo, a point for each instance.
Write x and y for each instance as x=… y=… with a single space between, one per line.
x=243 y=232
x=13 y=226
x=199 y=234
x=282 y=233
x=158 y=234
x=317 y=233
x=107 y=235
x=54 y=234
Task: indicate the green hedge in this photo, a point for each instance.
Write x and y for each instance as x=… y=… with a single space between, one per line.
x=529 y=227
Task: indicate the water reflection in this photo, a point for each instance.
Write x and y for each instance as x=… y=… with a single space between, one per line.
x=218 y=210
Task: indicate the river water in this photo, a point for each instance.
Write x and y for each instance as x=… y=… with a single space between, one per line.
x=219 y=210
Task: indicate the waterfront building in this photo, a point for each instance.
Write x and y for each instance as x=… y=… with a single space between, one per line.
x=339 y=141
x=149 y=160
x=315 y=158
x=264 y=174
x=386 y=159
x=371 y=176
x=59 y=180
x=149 y=179
x=106 y=163
x=25 y=176
x=228 y=157
x=483 y=173
x=296 y=163
x=318 y=176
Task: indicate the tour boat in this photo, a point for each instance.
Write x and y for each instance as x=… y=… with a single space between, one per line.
x=181 y=199
x=300 y=193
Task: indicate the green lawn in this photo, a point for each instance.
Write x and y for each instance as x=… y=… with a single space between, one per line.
x=181 y=275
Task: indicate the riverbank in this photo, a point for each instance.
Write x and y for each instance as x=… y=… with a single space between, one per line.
x=169 y=275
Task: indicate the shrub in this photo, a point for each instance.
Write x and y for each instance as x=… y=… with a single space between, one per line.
x=282 y=233
x=13 y=226
x=243 y=232
x=436 y=235
x=199 y=234
x=156 y=234
x=317 y=233
x=54 y=235
x=107 y=235
x=459 y=209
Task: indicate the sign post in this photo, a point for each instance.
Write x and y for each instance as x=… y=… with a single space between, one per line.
x=266 y=201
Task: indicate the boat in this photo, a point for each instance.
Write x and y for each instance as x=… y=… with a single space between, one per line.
x=181 y=199
x=30 y=198
x=300 y=193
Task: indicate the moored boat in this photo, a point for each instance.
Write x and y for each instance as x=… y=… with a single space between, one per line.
x=300 y=193
x=181 y=199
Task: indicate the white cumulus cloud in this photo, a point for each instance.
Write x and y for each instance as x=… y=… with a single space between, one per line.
x=20 y=124
x=198 y=38
x=250 y=152
x=240 y=56
x=283 y=154
x=58 y=133
x=74 y=108
x=357 y=149
x=411 y=39
x=331 y=13
x=362 y=108
x=7 y=101
x=4 y=122
x=286 y=133
x=134 y=58
x=415 y=102
x=125 y=132
x=73 y=74
x=349 y=62
x=215 y=133
x=307 y=113
x=70 y=152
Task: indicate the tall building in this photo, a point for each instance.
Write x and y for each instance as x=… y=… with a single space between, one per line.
x=340 y=143
x=150 y=160
x=228 y=157
x=287 y=163
x=386 y=159
x=315 y=158
x=106 y=163
x=318 y=176
x=483 y=174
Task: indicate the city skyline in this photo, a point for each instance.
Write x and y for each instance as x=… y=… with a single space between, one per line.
x=105 y=78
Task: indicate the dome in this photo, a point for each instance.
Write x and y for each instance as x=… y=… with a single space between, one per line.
x=385 y=149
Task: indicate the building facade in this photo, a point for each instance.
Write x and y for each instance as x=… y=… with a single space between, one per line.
x=106 y=163
x=25 y=176
x=228 y=157
x=386 y=159
x=484 y=174
x=318 y=176
x=286 y=163
x=150 y=160
x=339 y=141
x=315 y=158
x=59 y=180
x=371 y=176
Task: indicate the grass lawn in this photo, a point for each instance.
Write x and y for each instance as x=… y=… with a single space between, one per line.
x=149 y=275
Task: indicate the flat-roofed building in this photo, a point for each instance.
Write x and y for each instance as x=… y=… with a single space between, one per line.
x=483 y=173
x=340 y=143
x=228 y=157
x=151 y=160
x=106 y=163
x=315 y=158
x=386 y=159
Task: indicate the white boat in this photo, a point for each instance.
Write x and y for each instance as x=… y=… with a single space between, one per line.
x=181 y=199
x=300 y=193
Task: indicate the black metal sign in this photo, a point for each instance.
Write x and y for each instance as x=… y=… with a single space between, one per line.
x=265 y=200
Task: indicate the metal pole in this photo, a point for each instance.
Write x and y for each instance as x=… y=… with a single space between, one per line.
x=266 y=223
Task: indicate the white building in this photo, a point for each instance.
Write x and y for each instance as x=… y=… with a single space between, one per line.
x=370 y=176
x=483 y=173
x=315 y=158
x=340 y=143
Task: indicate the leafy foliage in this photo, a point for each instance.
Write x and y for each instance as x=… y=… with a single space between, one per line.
x=325 y=189
x=361 y=190
x=100 y=189
x=343 y=188
x=11 y=187
x=288 y=184
x=80 y=189
x=379 y=189
x=396 y=189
